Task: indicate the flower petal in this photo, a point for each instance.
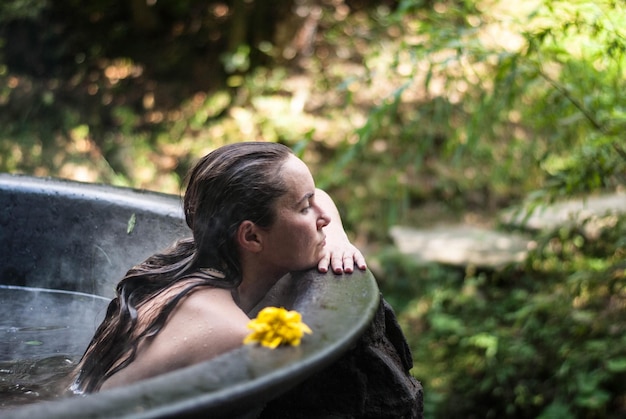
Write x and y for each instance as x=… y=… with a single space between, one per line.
x=275 y=326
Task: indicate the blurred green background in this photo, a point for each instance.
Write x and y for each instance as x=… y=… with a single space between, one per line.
x=414 y=112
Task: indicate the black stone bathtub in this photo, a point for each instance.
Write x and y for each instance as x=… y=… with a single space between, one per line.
x=59 y=235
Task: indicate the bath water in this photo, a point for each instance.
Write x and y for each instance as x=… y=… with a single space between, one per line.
x=43 y=334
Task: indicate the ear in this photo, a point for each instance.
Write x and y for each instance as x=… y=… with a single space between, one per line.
x=248 y=237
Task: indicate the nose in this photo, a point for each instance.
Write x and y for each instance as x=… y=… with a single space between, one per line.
x=323 y=220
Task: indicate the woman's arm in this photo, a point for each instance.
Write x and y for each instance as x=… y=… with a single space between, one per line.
x=340 y=255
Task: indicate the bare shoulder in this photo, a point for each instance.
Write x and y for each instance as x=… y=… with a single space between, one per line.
x=206 y=301
x=205 y=324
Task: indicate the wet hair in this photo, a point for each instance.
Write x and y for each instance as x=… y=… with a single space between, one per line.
x=232 y=184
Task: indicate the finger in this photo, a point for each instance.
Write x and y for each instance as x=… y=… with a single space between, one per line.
x=360 y=261
x=323 y=264
x=336 y=262
x=348 y=264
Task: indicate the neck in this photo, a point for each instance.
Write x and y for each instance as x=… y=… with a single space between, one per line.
x=255 y=285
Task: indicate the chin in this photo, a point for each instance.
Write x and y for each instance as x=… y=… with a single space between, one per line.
x=307 y=266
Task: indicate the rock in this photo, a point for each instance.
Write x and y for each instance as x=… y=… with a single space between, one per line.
x=462 y=245
x=593 y=213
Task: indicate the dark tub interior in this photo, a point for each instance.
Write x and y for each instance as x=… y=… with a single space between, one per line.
x=65 y=245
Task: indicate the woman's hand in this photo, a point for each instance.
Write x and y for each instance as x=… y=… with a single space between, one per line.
x=341 y=257
x=339 y=254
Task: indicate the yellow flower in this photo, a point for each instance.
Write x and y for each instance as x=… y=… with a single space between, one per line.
x=275 y=326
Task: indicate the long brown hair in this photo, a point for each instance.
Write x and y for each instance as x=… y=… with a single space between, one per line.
x=232 y=184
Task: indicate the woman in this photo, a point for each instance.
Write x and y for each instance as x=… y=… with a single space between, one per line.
x=255 y=215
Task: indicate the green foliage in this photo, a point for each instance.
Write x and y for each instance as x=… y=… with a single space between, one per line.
x=546 y=339
x=469 y=104
x=493 y=100
x=21 y=9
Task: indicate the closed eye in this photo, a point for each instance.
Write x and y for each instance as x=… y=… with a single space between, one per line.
x=307 y=202
x=305 y=209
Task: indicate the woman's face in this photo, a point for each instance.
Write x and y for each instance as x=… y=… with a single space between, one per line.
x=295 y=241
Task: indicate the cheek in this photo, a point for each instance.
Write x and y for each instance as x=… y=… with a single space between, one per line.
x=299 y=237
x=305 y=240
